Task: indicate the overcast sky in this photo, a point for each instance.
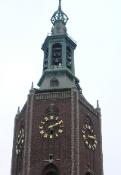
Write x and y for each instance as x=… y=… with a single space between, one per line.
x=96 y=27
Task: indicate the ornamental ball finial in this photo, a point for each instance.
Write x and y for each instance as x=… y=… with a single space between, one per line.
x=59 y=15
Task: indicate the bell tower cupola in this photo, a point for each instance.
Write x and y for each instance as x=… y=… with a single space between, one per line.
x=58 y=47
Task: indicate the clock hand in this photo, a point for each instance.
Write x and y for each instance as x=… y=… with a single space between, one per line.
x=51 y=126
x=56 y=124
x=60 y=122
x=91 y=137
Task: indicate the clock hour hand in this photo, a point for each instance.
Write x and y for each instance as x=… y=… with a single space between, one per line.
x=91 y=137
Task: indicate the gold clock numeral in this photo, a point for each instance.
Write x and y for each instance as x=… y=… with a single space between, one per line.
x=95 y=141
x=84 y=136
x=86 y=142
x=40 y=127
x=56 y=118
x=93 y=147
x=60 y=130
x=89 y=127
x=83 y=131
x=16 y=151
x=43 y=123
x=46 y=118
x=56 y=135
x=51 y=136
x=51 y=117
x=42 y=132
x=45 y=135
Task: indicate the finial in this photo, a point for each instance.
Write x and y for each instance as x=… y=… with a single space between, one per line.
x=32 y=90
x=59 y=15
x=98 y=104
x=98 y=108
x=32 y=86
x=18 y=110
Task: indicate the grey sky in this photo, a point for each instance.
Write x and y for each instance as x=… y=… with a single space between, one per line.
x=96 y=26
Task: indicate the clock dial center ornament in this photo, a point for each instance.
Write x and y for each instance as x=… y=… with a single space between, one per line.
x=51 y=127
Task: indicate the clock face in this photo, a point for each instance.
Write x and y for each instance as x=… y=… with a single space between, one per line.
x=51 y=126
x=20 y=141
x=89 y=136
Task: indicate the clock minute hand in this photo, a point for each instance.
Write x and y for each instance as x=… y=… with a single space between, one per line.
x=56 y=124
x=51 y=126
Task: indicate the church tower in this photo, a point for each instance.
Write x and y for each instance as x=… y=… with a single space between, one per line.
x=58 y=132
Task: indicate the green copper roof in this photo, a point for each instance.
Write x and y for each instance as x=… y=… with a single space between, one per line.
x=59 y=15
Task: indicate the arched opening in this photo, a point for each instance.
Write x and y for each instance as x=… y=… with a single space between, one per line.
x=57 y=54
x=45 y=59
x=50 y=169
x=68 y=57
x=54 y=82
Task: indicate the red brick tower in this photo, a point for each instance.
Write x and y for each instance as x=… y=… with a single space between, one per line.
x=57 y=132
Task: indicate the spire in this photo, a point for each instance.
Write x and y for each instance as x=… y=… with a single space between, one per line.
x=98 y=108
x=18 y=110
x=32 y=86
